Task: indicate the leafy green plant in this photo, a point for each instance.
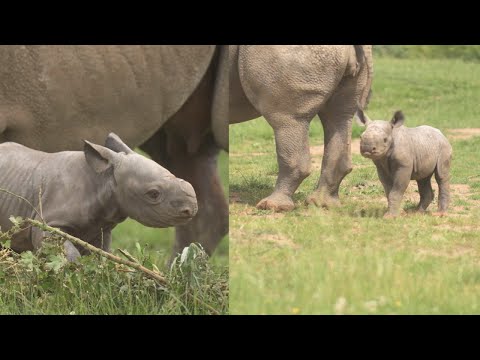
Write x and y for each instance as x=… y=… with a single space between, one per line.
x=45 y=282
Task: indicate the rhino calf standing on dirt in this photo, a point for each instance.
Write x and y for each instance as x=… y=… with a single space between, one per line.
x=86 y=194
x=402 y=154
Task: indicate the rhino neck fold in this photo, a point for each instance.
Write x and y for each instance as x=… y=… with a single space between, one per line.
x=106 y=208
x=91 y=197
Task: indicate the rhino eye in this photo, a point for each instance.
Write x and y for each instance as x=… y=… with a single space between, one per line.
x=384 y=140
x=153 y=194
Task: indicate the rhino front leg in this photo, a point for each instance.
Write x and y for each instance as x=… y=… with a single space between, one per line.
x=102 y=241
x=337 y=159
x=71 y=252
x=401 y=179
x=293 y=157
x=385 y=180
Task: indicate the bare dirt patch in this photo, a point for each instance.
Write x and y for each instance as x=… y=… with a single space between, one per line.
x=271 y=215
x=318 y=149
x=461 y=190
x=235 y=197
x=453 y=253
x=279 y=240
x=243 y=209
x=459 y=228
x=458 y=192
x=463 y=134
x=247 y=154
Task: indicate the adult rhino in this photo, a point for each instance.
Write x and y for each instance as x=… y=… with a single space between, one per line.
x=289 y=85
x=169 y=100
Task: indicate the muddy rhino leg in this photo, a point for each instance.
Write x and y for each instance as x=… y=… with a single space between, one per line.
x=337 y=159
x=293 y=157
x=442 y=176
x=426 y=193
x=200 y=169
x=210 y=224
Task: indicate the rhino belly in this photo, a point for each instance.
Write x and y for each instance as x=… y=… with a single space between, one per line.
x=423 y=170
x=53 y=97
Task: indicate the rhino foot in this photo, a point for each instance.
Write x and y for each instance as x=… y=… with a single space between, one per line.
x=276 y=202
x=321 y=199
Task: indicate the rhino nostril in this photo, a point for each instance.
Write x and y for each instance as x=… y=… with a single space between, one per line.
x=186 y=212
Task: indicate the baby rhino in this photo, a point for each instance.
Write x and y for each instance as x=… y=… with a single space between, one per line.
x=402 y=154
x=86 y=194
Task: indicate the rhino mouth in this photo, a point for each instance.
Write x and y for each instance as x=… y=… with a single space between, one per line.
x=371 y=154
x=167 y=221
x=366 y=154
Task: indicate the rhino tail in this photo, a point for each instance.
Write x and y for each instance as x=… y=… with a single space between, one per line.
x=364 y=57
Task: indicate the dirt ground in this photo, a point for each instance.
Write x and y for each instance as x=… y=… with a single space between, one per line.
x=452 y=134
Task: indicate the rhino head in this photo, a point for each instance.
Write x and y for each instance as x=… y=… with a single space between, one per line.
x=377 y=139
x=143 y=190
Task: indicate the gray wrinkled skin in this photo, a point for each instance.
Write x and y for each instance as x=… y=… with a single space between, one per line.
x=289 y=85
x=169 y=100
x=402 y=154
x=86 y=194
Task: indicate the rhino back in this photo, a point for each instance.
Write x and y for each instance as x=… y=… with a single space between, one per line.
x=424 y=145
x=51 y=97
x=286 y=78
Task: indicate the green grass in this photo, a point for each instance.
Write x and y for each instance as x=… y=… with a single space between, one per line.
x=464 y=52
x=350 y=260
x=46 y=283
x=29 y=286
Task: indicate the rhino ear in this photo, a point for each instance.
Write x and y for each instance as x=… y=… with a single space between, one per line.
x=361 y=117
x=113 y=142
x=398 y=119
x=99 y=158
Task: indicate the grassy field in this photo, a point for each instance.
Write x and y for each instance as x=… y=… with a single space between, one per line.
x=46 y=284
x=349 y=260
x=464 y=52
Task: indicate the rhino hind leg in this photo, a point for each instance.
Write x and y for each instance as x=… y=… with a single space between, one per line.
x=426 y=193
x=337 y=158
x=293 y=157
x=442 y=176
